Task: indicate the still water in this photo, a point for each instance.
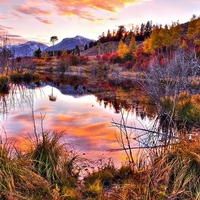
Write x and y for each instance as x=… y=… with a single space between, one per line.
x=85 y=121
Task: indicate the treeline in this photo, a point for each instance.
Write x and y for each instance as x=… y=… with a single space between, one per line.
x=139 y=32
x=162 y=41
x=156 y=37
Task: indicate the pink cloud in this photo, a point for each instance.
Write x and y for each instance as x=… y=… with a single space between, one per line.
x=45 y=21
x=3 y=28
x=32 y=10
x=2 y=17
x=3 y=2
x=17 y=15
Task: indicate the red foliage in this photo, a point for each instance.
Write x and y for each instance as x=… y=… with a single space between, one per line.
x=98 y=57
x=48 y=59
x=18 y=59
x=106 y=56
x=163 y=61
x=114 y=58
x=128 y=65
x=83 y=60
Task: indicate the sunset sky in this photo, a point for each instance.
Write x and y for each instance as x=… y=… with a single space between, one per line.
x=38 y=20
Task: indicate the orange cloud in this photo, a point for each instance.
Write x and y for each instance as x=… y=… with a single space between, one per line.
x=106 y=5
x=76 y=12
x=82 y=8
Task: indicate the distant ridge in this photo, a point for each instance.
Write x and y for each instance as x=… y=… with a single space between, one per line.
x=26 y=49
x=69 y=43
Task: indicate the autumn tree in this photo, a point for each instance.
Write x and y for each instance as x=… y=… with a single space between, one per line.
x=147 y=46
x=193 y=32
x=163 y=39
x=64 y=52
x=177 y=32
x=133 y=45
x=127 y=52
x=122 y=49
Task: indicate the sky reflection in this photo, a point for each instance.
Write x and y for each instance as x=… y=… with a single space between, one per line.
x=86 y=123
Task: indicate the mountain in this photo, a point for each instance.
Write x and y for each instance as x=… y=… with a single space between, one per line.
x=28 y=48
x=69 y=43
x=25 y=49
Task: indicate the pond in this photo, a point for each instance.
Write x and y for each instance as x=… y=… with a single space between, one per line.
x=84 y=118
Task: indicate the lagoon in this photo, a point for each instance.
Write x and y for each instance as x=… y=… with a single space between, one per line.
x=82 y=116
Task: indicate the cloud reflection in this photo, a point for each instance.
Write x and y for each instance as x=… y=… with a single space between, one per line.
x=86 y=124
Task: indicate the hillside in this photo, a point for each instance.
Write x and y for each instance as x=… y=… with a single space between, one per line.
x=103 y=48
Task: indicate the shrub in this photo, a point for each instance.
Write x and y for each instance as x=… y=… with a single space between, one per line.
x=16 y=78
x=128 y=57
x=98 y=57
x=83 y=60
x=93 y=190
x=115 y=58
x=27 y=77
x=4 y=84
x=36 y=78
x=106 y=56
x=105 y=175
x=63 y=64
x=128 y=65
x=73 y=60
x=124 y=173
x=18 y=59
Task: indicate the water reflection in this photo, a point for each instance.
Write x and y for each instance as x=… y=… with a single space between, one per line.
x=85 y=118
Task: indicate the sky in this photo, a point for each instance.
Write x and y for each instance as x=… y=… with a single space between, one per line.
x=38 y=20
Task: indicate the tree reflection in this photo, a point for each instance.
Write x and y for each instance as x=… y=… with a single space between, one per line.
x=52 y=97
x=19 y=96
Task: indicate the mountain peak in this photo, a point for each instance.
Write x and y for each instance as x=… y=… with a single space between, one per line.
x=69 y=43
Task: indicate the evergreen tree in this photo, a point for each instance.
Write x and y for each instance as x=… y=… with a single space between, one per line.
x=38 y=53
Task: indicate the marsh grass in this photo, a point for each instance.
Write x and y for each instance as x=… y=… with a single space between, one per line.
x=176 y=172
x=59 y=167
x=49 y=171
x=93 y=190
x=46 y=154
x=17 y=180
